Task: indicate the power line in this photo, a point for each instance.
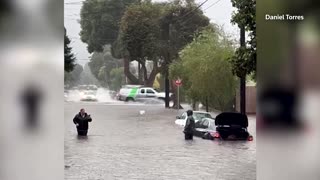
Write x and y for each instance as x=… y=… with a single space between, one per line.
x=187 y=20
x=212 y=5
x=194 y=9
x=180 y=18
x=187 y=14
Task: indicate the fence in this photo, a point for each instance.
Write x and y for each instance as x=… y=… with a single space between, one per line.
x=251 y=100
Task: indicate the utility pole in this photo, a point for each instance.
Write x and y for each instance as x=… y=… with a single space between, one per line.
x=167 y=89
x=167 y=81
x=243 y=77
x=207 y=104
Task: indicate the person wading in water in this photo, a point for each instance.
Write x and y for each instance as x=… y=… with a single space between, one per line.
x=189 y=127
x=81 y=120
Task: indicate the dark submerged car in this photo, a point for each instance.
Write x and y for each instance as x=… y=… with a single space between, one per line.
x=228 y=126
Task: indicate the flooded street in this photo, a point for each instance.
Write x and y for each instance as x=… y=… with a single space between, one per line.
x=122 y=144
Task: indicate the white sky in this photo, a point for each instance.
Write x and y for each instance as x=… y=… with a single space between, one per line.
x=219 y=12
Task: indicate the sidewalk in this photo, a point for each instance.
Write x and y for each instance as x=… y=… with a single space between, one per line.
x=187 y=107
x=213 y=112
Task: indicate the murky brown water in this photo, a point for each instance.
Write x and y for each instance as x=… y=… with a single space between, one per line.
x=123 y=145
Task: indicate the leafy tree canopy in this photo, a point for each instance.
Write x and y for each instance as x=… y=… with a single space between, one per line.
x=101 y=64
x=73 y=78
x=69 y=59
x=152 y=29
x=205 y=70
x=117 y=79
x=100 y=22
x=245 y=59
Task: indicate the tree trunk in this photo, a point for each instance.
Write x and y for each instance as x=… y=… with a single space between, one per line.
x=139 y=72
x=148 y=81
x=194 y=105
x=132 y=79
x=145 y=73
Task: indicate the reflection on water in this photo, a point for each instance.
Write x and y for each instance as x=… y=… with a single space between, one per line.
x=82 y=138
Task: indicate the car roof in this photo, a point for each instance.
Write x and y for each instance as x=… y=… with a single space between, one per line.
x=232 y=118
x=199 y=112
x=210 y=119
x=204 y=112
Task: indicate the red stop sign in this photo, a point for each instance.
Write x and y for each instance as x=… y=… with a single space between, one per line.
x=178 y=82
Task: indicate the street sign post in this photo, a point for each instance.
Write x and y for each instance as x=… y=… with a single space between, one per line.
x=178 y=83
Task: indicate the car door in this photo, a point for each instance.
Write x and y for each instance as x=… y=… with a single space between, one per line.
x=141 y=93
x=212 y=126
x=182 y=119
x=150 y=93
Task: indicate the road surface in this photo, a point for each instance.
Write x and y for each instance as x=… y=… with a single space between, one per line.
x=122 y=144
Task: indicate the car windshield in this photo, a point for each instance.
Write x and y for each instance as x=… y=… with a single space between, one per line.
x=89 y=93
x=199 y=116
x=212 y=125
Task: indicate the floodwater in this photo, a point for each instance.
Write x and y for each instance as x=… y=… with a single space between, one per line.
x=123 y=144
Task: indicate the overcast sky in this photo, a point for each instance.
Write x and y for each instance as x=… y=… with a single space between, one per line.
x=219 y=12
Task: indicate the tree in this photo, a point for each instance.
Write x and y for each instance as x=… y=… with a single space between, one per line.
x=180 y=25
x=69 y=59
x=158 y=82
x=144 y=34
x=103 y=76
x=101 y=64
x=100 y=22
x=245 y=59
x=117 y=79
x=87 y=77
x=205 y=69
x=140 y=34
x=73 y=78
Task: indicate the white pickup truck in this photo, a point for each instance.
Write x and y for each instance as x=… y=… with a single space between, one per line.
x=138 y=93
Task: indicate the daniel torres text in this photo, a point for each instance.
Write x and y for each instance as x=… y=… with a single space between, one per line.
x=283 y=17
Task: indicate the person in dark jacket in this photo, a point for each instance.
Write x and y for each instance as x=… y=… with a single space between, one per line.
x=189 y=127
x=81 y=120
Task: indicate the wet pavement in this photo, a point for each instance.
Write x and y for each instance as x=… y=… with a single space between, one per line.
x=122 y=144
